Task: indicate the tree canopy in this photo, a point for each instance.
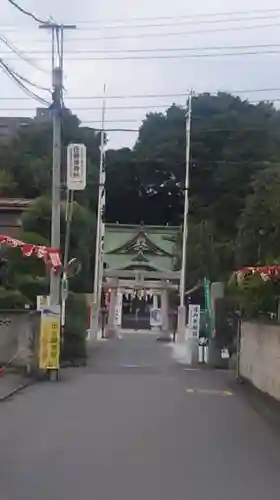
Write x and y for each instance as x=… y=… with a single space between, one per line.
x=231 y=140
x=234 y=180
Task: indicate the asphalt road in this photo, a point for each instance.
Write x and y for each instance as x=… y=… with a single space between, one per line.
x=134 y=426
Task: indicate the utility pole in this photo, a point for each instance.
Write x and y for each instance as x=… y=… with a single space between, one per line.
x=57 y=32
x=182 y=307
x=100 y=231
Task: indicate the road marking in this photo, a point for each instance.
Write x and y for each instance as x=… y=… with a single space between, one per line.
x=210 y=392
x=136 y=366
x=192 y=369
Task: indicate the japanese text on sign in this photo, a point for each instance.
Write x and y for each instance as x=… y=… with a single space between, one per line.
x=49 y=351
x=194 y=320
x=76 y=167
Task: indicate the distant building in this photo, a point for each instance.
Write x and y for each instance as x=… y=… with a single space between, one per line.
x=43 y=114
x=9 y=125
x=11 y=211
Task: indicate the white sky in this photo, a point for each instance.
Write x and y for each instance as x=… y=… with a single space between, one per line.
x=85 y=77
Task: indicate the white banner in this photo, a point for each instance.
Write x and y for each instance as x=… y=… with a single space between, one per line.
x=76 y=167
x=155 y=317
x=194 y=320
x=118 y=310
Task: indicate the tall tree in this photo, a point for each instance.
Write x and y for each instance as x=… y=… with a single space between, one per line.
x=27 y=158
x=231 y=140
x=37 y=220
x=258 y=239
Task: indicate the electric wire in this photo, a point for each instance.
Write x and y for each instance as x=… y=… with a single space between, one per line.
x=181 y=22
x=21 y=54
x=136 y=35
x=159 y=50
x=179 y=33
x=26 y=12
x=157 y=95
x=7 y=70
x=189 y=16
x=197 y=56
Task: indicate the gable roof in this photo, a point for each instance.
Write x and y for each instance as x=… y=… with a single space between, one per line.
x=140 y=244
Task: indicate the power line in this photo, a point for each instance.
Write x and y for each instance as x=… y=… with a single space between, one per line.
x=184 y=33
x=26 y=80
x=22 y=56
x=159 y=49
x=198 y=15
x=147 y=107
x=164 y=56
x=182 y=94
x=164 y=34
x=20 y=53
x=99 y=108
x=158 y=95
x=170 y=56
x=26 y=12
x=135 y=120
x=175 y=56
x=181 y=22
x=16 y=79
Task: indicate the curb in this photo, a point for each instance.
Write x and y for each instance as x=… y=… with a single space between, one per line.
x=17 y=389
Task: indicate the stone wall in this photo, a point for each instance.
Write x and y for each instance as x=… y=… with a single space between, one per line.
x=260 y=356
x=19 y=338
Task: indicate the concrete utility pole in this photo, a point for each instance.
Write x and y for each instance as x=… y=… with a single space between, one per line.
x=57 y=31
x=182 y=307
x=100 y=231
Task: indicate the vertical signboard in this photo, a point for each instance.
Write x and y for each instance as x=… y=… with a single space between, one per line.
x=118 y=309
x=194 y=320
x=49 y=351
x=76 y=167
x=155 y=317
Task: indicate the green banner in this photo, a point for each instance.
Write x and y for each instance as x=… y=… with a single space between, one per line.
x=208 y=308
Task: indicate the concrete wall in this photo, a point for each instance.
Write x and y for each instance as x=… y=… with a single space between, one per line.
x=260 y=356
x=19 y=338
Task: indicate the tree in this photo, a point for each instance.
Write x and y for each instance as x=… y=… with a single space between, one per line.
x=207 y=255
x=231 y=141
x=27 y=157
x=258 y=239
x=7 y=183
x=38 y=220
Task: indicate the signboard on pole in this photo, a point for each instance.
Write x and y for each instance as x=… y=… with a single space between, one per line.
x=76 y=167
x=42 y=302
x=194 y=320
x=155 y=317
x=49 y=349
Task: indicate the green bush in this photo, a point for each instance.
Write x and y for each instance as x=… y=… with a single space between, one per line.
x=74 y=347
x=257 y=298
x=12 y=299
x=31 y=286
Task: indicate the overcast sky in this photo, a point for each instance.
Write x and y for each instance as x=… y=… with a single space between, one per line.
x=119 y=25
